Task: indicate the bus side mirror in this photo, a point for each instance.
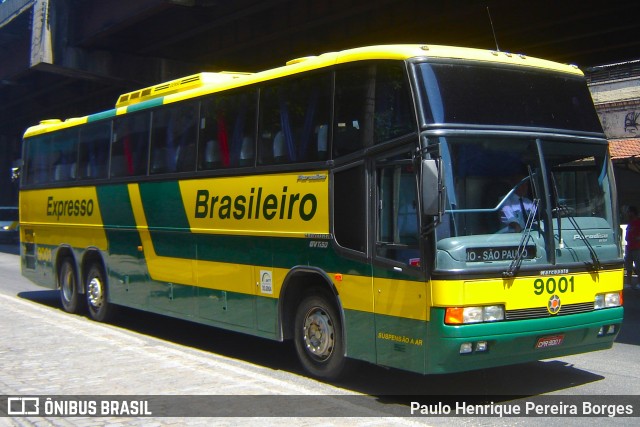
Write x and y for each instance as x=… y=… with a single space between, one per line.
x=432 y=189
x=16 y=169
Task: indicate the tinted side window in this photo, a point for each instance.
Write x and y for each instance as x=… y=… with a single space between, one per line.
x=350 y=208
x=227 y=130
x=52 y=157
x=173 y=139
x=129 y=146
x=93 y=150
x=37 y=159
x=294 y=120
x=372 y=105
x=65 y=155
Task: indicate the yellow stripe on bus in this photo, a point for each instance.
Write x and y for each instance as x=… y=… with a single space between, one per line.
x=285 y=204
x=207 y=274
x=167 y=269
x=70 y=216
x=525 y=292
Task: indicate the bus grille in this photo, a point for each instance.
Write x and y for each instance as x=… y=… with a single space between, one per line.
x=541 y=312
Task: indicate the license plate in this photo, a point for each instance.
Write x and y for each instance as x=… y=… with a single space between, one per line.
x=552 y=341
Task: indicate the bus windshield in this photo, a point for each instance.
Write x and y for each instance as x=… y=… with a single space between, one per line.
x=482 y=95
x=552 y=199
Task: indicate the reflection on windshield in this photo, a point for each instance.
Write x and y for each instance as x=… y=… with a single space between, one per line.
x=505 y=204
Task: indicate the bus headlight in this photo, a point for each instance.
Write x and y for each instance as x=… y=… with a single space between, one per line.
x=610 y=299
x=472 y=315
x=493 y=313
x=465 y=315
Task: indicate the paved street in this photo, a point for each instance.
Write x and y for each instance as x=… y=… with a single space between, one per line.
x=44 y=351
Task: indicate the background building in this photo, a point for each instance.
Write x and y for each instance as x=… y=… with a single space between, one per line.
x=615 y=89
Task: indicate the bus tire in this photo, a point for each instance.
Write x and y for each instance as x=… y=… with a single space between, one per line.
x=68 y=283
x=318 y=337
x=96 y=291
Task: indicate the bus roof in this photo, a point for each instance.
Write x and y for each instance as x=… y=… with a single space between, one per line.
x=204 y=83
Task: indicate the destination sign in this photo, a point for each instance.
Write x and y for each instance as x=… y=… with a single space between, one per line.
x=506 y=253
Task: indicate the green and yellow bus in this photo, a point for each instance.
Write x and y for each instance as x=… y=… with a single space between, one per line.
x=359 y=203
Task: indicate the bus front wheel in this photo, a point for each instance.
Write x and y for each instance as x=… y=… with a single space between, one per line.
x=68 y=283
x=96 y=291
x=318 y=337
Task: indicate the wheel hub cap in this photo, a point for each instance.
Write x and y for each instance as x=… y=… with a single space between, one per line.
x=95 y=292
x=318 y=334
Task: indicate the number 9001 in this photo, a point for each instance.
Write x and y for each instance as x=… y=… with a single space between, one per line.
x=553 y=285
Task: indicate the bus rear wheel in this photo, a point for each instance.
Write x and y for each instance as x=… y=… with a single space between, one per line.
x=318 y=337
x=68 y=283
x=97 y=294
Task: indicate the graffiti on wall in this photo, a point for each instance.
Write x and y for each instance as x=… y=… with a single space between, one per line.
x=631 y=122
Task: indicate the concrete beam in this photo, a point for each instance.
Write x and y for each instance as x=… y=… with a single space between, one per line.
x=41 y=40
x=51 y=52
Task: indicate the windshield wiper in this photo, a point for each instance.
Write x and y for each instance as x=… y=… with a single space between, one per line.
x=594 y=256
x=564 y=209
x=522 y=246
x=556 y=199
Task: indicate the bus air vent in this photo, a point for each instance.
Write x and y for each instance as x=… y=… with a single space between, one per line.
x=50 y=121
x=299 y=60
x=178 y=85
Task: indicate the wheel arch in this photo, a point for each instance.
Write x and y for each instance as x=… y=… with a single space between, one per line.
x=300 y=282
x=92 y=255
x=63 y=252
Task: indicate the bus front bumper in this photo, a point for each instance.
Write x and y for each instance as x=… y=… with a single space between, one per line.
x=477 y=346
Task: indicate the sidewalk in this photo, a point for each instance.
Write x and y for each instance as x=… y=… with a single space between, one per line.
x=47 y=352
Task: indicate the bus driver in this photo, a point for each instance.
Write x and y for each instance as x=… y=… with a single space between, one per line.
x=516 y=207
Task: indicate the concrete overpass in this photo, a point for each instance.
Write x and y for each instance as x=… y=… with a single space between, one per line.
x=64 y=58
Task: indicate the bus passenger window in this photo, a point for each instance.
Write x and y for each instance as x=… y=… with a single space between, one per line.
x=94 y=150
x=372 y=105
x=37 y=163
x=227 y=130
x=293 y=120
x=173 y=139
x=129 y=153
x=214 y=136
x=65 y=154
x=52 y=157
